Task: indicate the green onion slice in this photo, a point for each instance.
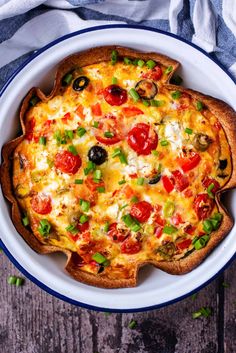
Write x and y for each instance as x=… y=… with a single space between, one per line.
x=176 y=94
x=169 y=229
x=134 y=94
x=73 y=150
x=151 y=64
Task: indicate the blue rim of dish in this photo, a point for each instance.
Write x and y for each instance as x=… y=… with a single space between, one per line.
x=2 y=245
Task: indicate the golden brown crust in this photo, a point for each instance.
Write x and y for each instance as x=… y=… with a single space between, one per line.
x=221 y=110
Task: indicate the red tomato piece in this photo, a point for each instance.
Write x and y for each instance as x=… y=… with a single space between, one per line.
x=41 y=204
x=91 y=185
x=80 y=111
x=108 y=123
x=168 y=183
x=141 y=211
x=176 y=219
x=67 y=162
x=190 y=163
x=83 y=227
x=159 y=220
x=130 y=246
x=203 y=205
x=188 y=193
x=158 y=231
x=181 y=181
x=131 y=111
x=30 y=125
x=184 y=244
x=190 y=229
x=154 y=74
x=128 y=191
x=96 y=109
x=66 y=117
x=208 y=181
x=117 y=235
x=115 y=95
x=142 y=139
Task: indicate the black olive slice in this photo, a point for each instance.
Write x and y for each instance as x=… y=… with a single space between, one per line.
x=155 y=179
x=222 y=176
x=97 y=155
x=146 y=89
x=80 y=83
x=223 y=164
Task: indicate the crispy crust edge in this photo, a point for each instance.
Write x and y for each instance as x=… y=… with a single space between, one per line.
x=224 y=113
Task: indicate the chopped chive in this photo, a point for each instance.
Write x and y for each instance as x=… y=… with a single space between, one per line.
x=194 y=296
x=141 y=63
x=97 y=174
x=85 y=205
x=50 y=163
x=11 y=280
x=79 y=181
x=168 y=209
x=19 y=281
x=101 y=189
x=114 y=57
x=168 y=70
x=66 y=80
x=176 y=94
x=108 y=134
x=44 y=227
x=151 y=64
x=218 y=216
x=132 y=324
x=134 y=199
x=106 y=227
x=124 y=206
x=25 y=221
x=72 y=229
x=225 y=284
x=34 y=100
x=42 y=140
x=73 y=150
x=96 y=124
x=131 y=222
x=176 y=80
x=90 y=166
x=209 y=190
x=207 y=226
x=81 y=131
x=127 y=61
x=114 y=80
x=123 y=181
x=157 y=103
x=199 y=105
x=116 y=152
x=135 y=227
x=99 y=258
x=188 y=131
x=201 y=242
x=164 y=143
x=140 y=181
x=134 y=95
x=123 y=158
x=155 y=152
x=83 y=218
x=135 y=62
x=169 y=229
x=145 y=103
x=206 y=312
x=69 y=134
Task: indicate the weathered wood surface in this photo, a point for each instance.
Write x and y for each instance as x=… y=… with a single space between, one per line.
x=32 y=321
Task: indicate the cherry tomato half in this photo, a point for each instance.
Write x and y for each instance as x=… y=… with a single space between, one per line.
x=154 y=74
x=67 y=162
x=115 y=95
x=41 y=204
x=108 y=123
x=142 y=139
x=203 y=206
x=117 y=235
x=141 y=211
x=208 y=181
x=130 y=246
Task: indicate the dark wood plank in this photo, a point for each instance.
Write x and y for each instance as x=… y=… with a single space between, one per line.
x=32 y=321
x=230 y=310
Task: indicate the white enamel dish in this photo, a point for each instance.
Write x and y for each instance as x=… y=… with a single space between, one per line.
x=155 y=288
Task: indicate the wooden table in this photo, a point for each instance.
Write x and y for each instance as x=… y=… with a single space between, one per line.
x=32 y=321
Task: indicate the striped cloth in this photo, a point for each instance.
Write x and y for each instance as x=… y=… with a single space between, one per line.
x=27 y=25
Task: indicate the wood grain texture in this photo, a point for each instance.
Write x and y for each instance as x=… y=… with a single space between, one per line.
x=32 y=321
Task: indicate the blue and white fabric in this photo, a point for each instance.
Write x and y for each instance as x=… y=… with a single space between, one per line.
x=26 y=25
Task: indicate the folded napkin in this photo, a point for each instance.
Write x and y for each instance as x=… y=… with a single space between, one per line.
x=27 y=25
